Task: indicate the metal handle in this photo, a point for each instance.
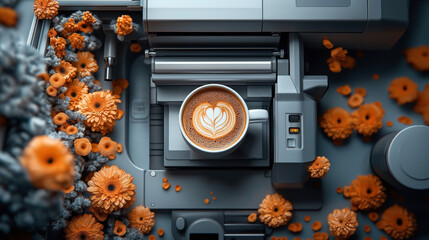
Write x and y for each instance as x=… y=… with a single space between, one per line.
x=258 y=115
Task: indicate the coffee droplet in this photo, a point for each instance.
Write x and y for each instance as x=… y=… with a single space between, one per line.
x=214 y=121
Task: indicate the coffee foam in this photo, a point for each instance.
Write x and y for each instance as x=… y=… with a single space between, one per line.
x=213 y=118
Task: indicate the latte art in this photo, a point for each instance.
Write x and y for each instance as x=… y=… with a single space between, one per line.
x=214 y=121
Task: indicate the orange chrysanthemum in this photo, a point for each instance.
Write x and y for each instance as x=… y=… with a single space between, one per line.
x=124 y=25
x=142 y=219
x=84 y=227
x=71 y=130
x=59 y=45
x=275 y=211
x=319 y=168
x=8 y=17
x=422 y=104
x=403 y=90
x=355 y=100
x=52 y=33
x=76 y=40
x=75 y=90
x=60 y=119
x=398 y=222
x=88 y=18
x=111 y=189
x=49 y=163
x=344 y=90
x=86 y=65
x=66 y=70
x=107 y=147
x=368 y=118
x=100 y=110
x=82 y=146
x=135 y=48
x=337 y=123
x=45 y=9
x=57 y=80
x=51 y=91
x=70 y=27
x=367 y=192
x=418 y=57
x=84 y=27
x=342 y=223
x=120 y=228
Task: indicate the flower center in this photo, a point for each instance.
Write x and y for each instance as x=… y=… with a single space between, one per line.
x=424 y=54
x=111 y=187
x=83 y=25
x=73 y=94
x=367 y=117
x=82 y=236
x=399 y=221
x=339 y=120
x=97 y=105
x=50 y=160
x=404 y=88
x=276 y=209
x=368 y=191
x=83 y=65
x=62 y=70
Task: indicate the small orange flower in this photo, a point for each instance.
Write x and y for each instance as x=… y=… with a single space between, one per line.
x=45 y=9
x=321 y=236
x=339 y=190
x=403 y=90
x=57 y=80
x=367 y=228
x=355 y=100
x=367 y=192
x=418 y=57
x=319 y=168
x=342 y=223
x=142 y=219
x=76 y=40
x=66 y=70
x=295 y=227
x=316 y=226
x=348 y=63
x=60 y=119
x=43 y=76
x=160 y=232
x=64 y=127
x=84 y=27
x=166 y=186
x=405 y=120
x=135 y=48
x=252 y=217
x=8 y=17
x=51 y=91
x=107 y=147
x=337 y=123
x=178 y=188
x=86 y=64
x=49 y=163
x=151 y=237
x=71 y=130
x=344 y=90
x=375 y=76
x=75 y=90
x=334 y=66
x=339 y=54
x=389 y=123
x=52 y=33
x=69 y=190
x=120 y=228
x=120 y=148
x=275 y=211
x=101 y=216
x=368 y=118
x=307 y=218
x=361 y=91
x=88 y=18
x=120 y=114
x=398 y=222
x=124 y=25
x=422 y=104
x=327 y=44
x=70 y=27
x=84 y=227
x=373 y=216
x=59 y=45
x=82 y=146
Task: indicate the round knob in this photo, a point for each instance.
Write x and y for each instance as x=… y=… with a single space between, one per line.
x=180 y=223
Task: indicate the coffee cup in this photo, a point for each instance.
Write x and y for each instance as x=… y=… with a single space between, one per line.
x=214 y=120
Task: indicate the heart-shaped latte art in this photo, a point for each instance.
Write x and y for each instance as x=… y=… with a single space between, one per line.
x=213 y=121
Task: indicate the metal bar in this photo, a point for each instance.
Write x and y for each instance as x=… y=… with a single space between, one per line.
x=100 y=5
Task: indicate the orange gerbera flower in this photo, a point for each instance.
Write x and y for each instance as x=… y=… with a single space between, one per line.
x=84 y=27
x=45 y=9
x=398 y=222
x=76 y=40
x=84 y=227
x=107 y=147
x=367 y=192
x=135 y=48
x=275 y=211
x=8 y=17
x=124 y=25
x=88 y=18
x=66 y=70
x=355 y=100
x=86 y=65
x=75 y=90
x=82 y=146
x=100 y=110
x=368 y=118
x=49 y=163
x=319 y=168
x=59 y=45
x=422 y=104
x=57 y=80
x=344 y=90
x=342 y=223
x=142 y=219
x=111 y=189
x=51 y=91
x=403 y=90
x=60 y=118
x=337 y=123
x=70 y=27
x=120 y=228
x=418 y=57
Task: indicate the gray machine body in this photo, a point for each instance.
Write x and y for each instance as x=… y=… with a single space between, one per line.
x=257 y=48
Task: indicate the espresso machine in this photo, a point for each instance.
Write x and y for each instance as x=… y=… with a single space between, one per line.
x=256 y=47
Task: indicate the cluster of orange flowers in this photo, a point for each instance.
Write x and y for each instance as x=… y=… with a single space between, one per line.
x=45 y=9
x=366 y=193
x=339 y=58
x=124 y=25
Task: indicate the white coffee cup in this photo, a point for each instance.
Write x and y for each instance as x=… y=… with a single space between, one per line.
x=252 y=116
